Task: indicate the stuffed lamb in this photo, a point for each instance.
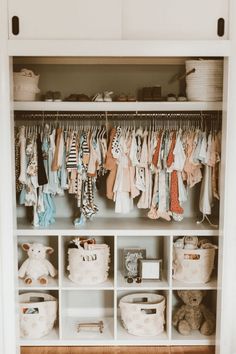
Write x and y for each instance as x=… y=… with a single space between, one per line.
x=36 y=267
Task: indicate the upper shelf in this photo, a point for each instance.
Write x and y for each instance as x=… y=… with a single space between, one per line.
x=117 y=106
x=117 y=48
x=101 y=60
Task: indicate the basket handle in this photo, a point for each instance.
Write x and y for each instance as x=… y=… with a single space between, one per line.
x=36 y=299
x=140 y=300
x=178 y=77
x=151 y=311
x=187 y=74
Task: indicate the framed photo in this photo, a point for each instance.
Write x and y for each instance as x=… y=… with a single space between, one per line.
x=150 y=269
x=131 y=256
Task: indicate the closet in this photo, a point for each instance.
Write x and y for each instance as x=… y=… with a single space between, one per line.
x=130 y=229
x=121 y=53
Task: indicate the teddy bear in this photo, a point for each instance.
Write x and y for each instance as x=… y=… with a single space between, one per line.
x=193 y=315
x=36 y=266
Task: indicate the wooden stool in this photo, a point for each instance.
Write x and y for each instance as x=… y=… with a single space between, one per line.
x=99 y=325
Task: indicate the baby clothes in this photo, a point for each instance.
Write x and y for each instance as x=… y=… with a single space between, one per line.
x=192 y=170
x=144 y=174
x=22 y=144
x=42 y=177
x=17 y=162
x=122 y=187
x=110 y=165
x=157 y=165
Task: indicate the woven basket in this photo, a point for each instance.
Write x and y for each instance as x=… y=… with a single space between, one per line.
x=25 y=85
x=193 y=266
x=206 y=83
x=37 y=318
x=143 y=314
x=89 y=266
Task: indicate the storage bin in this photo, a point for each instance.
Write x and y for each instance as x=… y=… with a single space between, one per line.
x=193 y=266
x=206 y=83
x=89 y=266
x=25 y=85
x=143 y=314
x=38 y=313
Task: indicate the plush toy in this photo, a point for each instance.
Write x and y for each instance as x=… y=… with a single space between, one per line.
x=193 y=315
x=36 y=267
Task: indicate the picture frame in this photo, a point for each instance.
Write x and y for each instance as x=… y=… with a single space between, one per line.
x=150 y=269
x=131 y=256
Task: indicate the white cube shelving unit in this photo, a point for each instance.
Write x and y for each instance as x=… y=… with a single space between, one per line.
x=93 y=303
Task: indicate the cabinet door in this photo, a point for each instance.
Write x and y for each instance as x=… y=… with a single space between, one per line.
x=66 y=19
x=173 y=19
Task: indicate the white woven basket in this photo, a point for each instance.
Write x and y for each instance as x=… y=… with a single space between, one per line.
x=89 y=266
x=143 y=314
x=36 y=318
x=25 y=85
x=206 y=83
x=193 y=266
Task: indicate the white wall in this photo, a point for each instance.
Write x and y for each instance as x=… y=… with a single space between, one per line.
x=7 y=254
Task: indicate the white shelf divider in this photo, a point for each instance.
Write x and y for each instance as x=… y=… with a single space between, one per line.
x=211 y=285
x=195 y=338
x=116 y=285
x=169 y=313
x=67 y=284
x=119 y=226
x=170 y=284
x=51 y=339
x=128 y=339
x=60 y=261
x=60 y=284
x=117 y=106
x=53 y=284
x=144 y=286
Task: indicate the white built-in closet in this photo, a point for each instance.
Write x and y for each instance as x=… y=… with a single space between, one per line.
x=120 y=46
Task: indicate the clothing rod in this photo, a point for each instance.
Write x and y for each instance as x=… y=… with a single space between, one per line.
x=120 y=115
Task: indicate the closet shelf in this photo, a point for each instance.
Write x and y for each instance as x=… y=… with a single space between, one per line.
x=67 y=284
x=111 y=48
x=195 y=338
x=211 y=285
x=125 y=338
x=51 y=339
x=52 y=285
x=117 y=106
x=145 y=285
x=120 y=227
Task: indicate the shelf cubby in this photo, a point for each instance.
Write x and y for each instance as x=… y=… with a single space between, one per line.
x=66 y=283
x=195 y=337
x=87 y=306
x=51 y=241
x=54 y=335
x=212 y=284
x=156 y=247
x=123 y=335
